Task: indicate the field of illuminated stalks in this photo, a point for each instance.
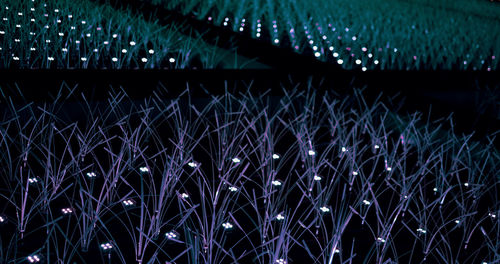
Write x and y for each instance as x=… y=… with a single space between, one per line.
x=367 y=34
x=241 y=178
x=82 y=34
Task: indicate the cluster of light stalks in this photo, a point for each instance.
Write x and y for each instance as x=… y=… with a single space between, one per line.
x=241 y=178
x=367 y=34
x=83 y=34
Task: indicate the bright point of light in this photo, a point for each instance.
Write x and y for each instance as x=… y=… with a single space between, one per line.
x=344 y=149
x=91 y=174
x=324 y=37
x=33 y=259
x=84 y=59
x=331 y=48
x=106 y=246
x=315 y=47
x=276 y=183
x=2 y=219
x=281 y=261
x=280 y=217
x=61 y=34
x=151 y=51
x=311 y=152
x=389 y=169
x=32 y=180
x=128 y=202
x=132 y=43
x=276 y=156
x=466 y=184
x=258 y=35
x=106 y=42
x=317 y=54
x=225 y=23
x=67 y=211
x=84 y=22
x=114 y=59
x=192 y=164
x=233 y=189
x=144 y=60
x=227 y=225
x=354 y=38
x=317 y=178
x=376 y=146
x=171 y=60
x=492 y=215
x=363 y=69
x=50 y=58
x=184 y=195
x=381 y=240
x=364 y=49
x=395 y=50
x=324 y=209
x=311 y=42
x=435 y=189
x=336 y=251
x=355 y=173
x=366 y=202
x=171 y=235
x=241 y=29
x=335 y=54
x=340 y=61
x=236 y=160
x=420 y=230
x=358 y=61
x=457 y=221
x=376 y=61
x=276 y=41
x=115 y=35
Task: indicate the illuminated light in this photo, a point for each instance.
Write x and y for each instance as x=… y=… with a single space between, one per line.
x=346 y=29
x=106 y=246
x=225 y=23
x=236 y=160
x=209 y=18
x=15 y=58
x=128 y=202
x=241 y=29
x=70 y=16
x=227 y=225
x=171 y=235
x=99 y=28
x=435 y=189
x=33 y=258
x=5 y=19
x=366 y=202
x=67 y=211
x=115 y=35
x=114 y=59
x=184 y=196
x=17 y=40
x=50 y=58
x=466 y=184
x=280 y=217
x=258 y=29
x=171 y=60
x=340 y=61
x=324 y=209
x=355 y=173
x=364 y=49
x=61 y=34
x=18 y=26
x=276 y=183
x=276 y=156
x=84 y=22
x=331 y=48
x=47 y=41
x=226 y=19
x=91 y=174
x=311 y=152
x=317 y=178
x=376 y=146
x=315 y=47
x=144 y=169
x=2 y=219
x=492 y=215
x=324 y=37
x=311 y=42
x=457 y=221
x=381 y=240
x=106 y=42
x=465 y=62
x=132 y=43
x=344 y=149
x=151 y=51
x=144 y=60
x=281 y=261
x=317 y=54
x=233 y=189
x=376 y=61
x=124 y=51
x=395 y=50
x=336 y=251
x=56 y=10
x=59 y=21
x=276 y=41
x=32 y=20
x=193 y=164
x=354 y=38
x=73 y=28
x=32 y=180
x=2 y=32
x=84 y=59
x=258 y=35
x=389 y=169
x=88 y=35
x=335 y=54
x=32 y=49
x=363 y=68
x=420 y=230
x=358 y=61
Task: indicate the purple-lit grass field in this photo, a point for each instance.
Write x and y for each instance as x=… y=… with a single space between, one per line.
x=306 y=177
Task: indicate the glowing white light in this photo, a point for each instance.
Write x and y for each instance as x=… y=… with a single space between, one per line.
x=171 y=60
x=50 y=58
x=317 y=178
x=18 y=26
x=115 y=35
x=324 y=209
x=128 y=202
x=73 y=28
x=32 y=20
x=335 y=54
x=84 y=59
x=376 y=146
x=132 y=43
x=91 y=174
x=395 y=50
x=32 y=180
x=70 y=16
x=311 y=152
x=276 y=183
x=344 y=149
x=311 y=42
x=106 y=246
x=184 y=195
x=381 y=240
x=420 y=230
x=466 y=184
x=67 y=211
x=2 y=32
x=33 y=258
x=281 y=261
x=366 y=202
x=280 y=217
x=114 y=59
x=364 y=49
x=171 y=235
x=276 y=41
x=276 y=156
x=233 y=189
x=358 y=61
x=354 y=38
x=363 y=69
x=340 y=61
x=258 y=35
x=96 y=50
x=324 y=37
x=144 y=60
x=151 y=51
x=15 y=58
x=88 y=35
x=61 y=34
x=84 y=22
x=376 y=61
x=492 y=215
x=317 y=54
x=331 y=48
x=241 y=29
x=47 y=41
x=124 y=51
x=236 y=160
x=457 y=221
x=435 y=189
x=227 y=225
x=336 y=251
x=315 y=47
x=225 y=23
x=2 y=219
x=56 y=10
x=193 y=164
x=106 y=42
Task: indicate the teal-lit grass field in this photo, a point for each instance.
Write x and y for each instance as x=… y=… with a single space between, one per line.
x=367 y=34
x=82 y=34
